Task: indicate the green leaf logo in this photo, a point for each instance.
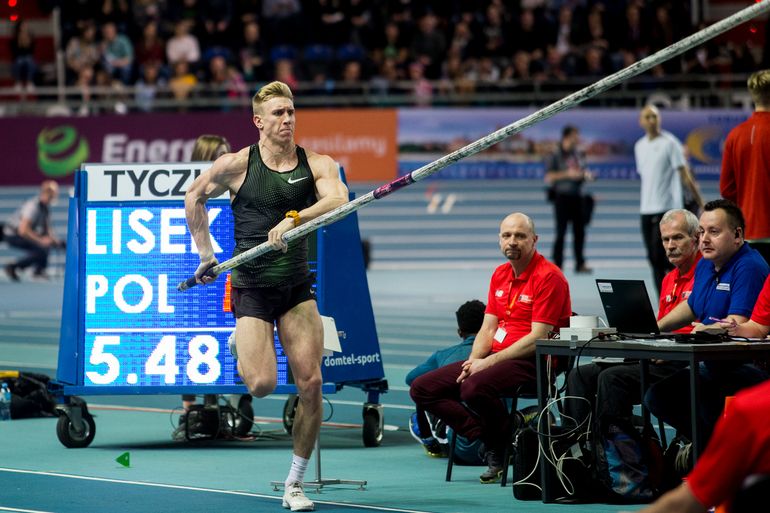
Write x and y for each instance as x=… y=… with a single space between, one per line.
x=60 y=150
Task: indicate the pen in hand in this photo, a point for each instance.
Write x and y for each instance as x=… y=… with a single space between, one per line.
x=724 y=321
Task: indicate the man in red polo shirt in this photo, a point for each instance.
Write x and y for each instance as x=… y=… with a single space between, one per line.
x=528 y=298
x=679 y=233
x=745 y=162
x=739 y=448
x=611 y=390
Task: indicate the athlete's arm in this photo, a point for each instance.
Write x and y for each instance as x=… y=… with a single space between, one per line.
x=227 y=172
x=329 y=190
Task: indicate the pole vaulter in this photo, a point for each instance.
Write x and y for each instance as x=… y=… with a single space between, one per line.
x=485 y=142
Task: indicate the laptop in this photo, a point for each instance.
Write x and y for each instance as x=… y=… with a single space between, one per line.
x=627 y=307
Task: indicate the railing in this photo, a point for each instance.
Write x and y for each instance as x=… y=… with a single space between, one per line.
x=683 y=92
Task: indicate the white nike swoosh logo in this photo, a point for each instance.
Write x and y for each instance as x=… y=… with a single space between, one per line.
x=297 y=180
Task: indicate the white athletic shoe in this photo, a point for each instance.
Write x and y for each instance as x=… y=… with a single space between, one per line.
x=231 y=345
x=295 y=500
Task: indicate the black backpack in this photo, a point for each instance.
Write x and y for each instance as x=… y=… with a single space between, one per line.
x=562 y=449
x=526 y=465
x=628 y=460
x=29 y=394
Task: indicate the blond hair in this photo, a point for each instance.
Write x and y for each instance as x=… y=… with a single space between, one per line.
x=268 y=92
x=206 y=147
x=50 y=186
x=759 y=87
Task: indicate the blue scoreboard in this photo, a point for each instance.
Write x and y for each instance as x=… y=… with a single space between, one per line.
x=127 y=330
x=125 y=257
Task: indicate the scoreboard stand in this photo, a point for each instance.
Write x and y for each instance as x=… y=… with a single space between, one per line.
x=126 y=330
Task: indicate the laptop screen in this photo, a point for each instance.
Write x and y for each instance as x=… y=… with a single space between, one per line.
x=627 y=306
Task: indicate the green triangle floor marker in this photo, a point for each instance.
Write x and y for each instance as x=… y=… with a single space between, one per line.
x=124 y=459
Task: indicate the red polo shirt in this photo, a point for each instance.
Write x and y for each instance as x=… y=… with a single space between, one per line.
x=761 y=312
x=539 y=294
x=675 y=289
x=739 y=447
x=744 y=178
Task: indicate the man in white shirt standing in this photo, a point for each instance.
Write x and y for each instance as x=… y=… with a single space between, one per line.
x=663 y=170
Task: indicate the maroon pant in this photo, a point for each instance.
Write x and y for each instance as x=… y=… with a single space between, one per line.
x=473 y=408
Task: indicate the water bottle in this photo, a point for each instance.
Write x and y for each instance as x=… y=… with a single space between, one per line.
x=5 y=403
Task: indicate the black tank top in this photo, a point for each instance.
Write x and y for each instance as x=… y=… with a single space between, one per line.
x=260 y=204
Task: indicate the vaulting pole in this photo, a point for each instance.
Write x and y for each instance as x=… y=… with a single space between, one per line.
x=485 y=142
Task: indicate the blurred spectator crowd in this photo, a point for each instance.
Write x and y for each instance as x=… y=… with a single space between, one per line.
x=465 y=46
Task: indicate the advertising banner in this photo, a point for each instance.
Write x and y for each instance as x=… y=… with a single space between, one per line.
x=363 y=141
x=608 y=138
x=371 y=144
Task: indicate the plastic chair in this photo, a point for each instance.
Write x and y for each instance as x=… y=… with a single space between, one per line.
x=317 y=59
x=318 y=53
x=350 y=52
x=525 y=391
x=283 y=52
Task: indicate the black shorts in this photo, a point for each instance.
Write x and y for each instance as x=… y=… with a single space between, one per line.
x=270 y=303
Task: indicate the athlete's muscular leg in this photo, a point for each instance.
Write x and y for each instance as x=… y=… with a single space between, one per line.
x=256 y=355
x=301 y=334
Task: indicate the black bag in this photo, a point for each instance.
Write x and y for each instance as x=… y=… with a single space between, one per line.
x=29 y=394
x=677 y=462
x=563 y=447
x=628 y=460
x=526 y=467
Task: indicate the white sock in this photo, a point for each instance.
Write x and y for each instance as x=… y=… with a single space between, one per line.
x=297 y=470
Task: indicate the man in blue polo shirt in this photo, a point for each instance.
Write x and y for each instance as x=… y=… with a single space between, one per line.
x=728 y=280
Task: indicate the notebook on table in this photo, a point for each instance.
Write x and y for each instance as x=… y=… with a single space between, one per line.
x=628 y=309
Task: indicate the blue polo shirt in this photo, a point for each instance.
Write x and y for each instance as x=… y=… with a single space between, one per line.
x=731 y=290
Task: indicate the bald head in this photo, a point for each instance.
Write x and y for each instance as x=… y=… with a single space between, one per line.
x=518 y=218
x=649 y=120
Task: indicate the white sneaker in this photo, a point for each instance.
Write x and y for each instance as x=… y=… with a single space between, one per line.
x=294 y=498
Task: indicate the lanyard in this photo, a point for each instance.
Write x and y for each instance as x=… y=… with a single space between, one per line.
x=511 y=302
x=672 y=296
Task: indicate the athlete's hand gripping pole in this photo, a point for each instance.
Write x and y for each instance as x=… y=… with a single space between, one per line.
x=485 y=142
